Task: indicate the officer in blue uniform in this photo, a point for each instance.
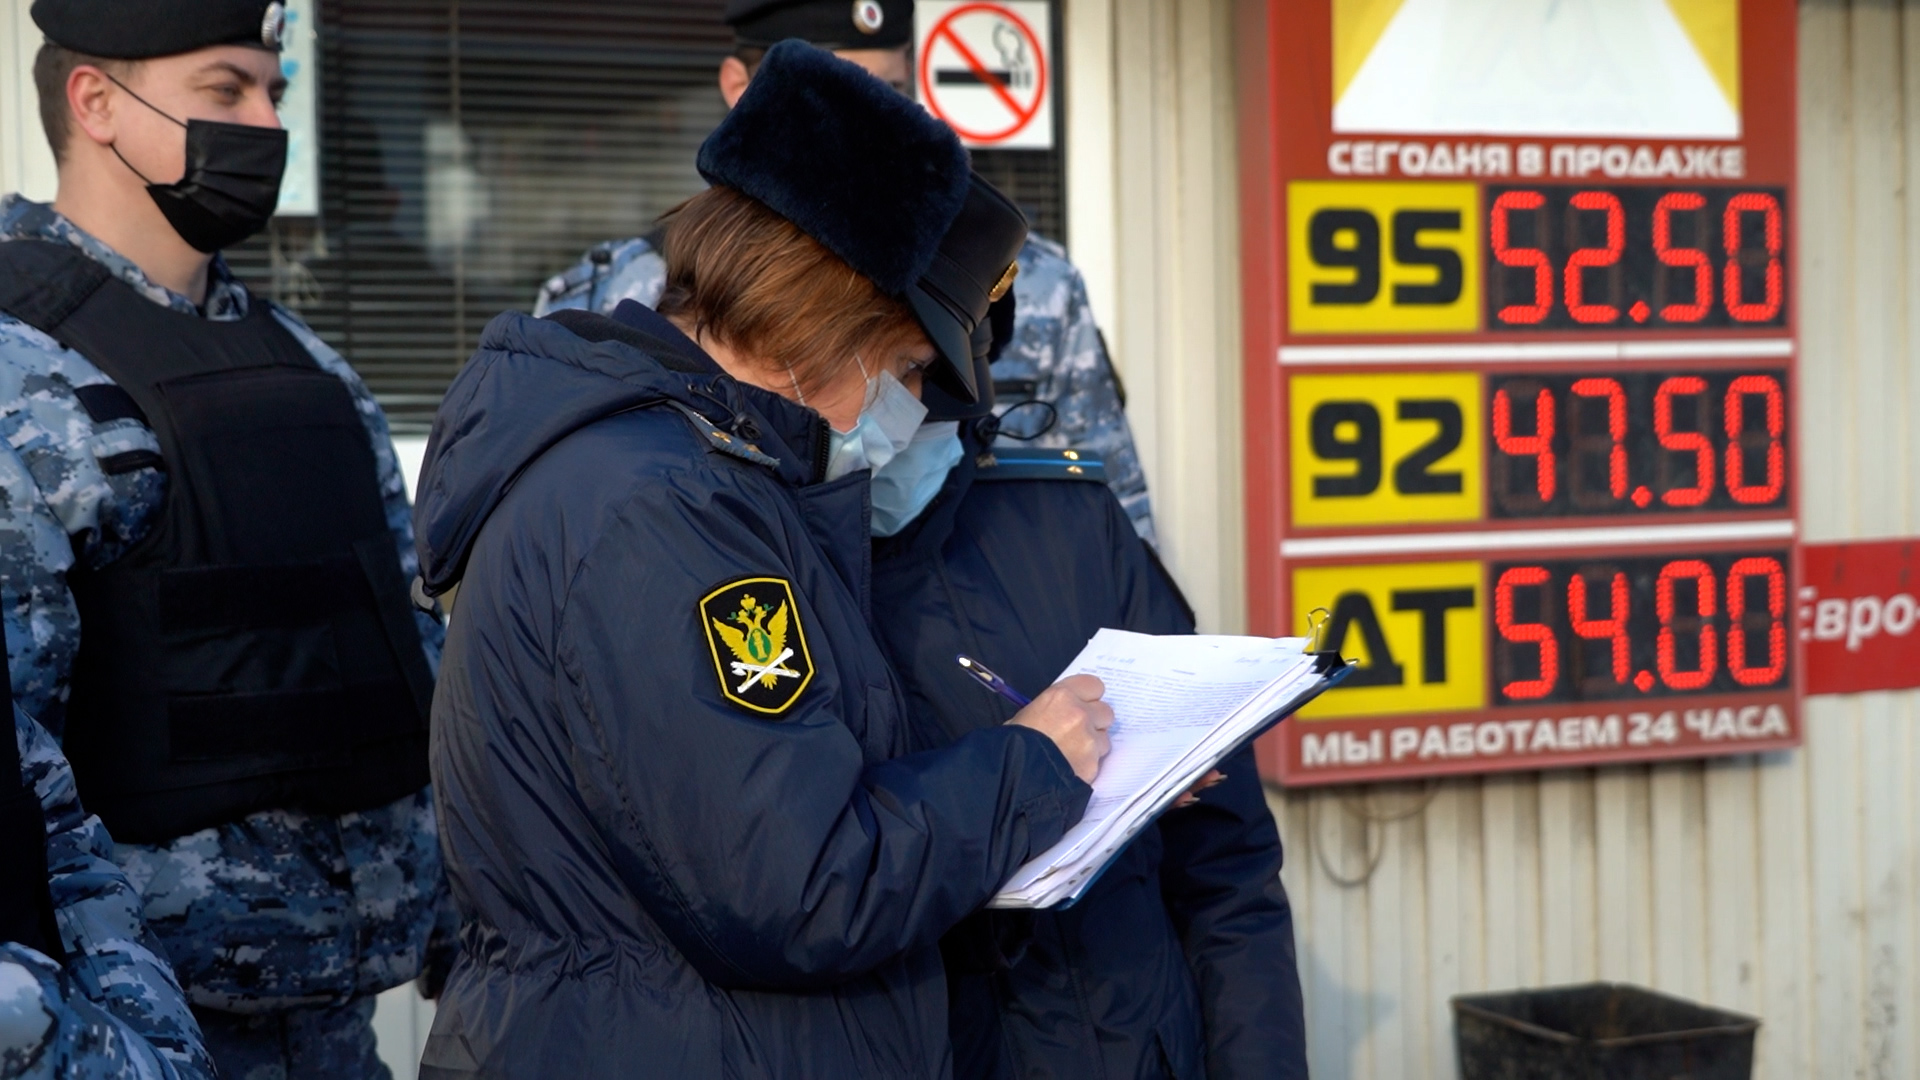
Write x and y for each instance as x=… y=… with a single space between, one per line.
x=682 y=825
x=1055 y=358
x=1180 y=961
x=205 y=546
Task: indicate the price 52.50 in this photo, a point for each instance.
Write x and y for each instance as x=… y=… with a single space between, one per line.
x=1636 y=257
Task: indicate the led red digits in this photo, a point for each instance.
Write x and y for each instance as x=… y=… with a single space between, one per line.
x=1538 y=634
x=1538 y=446
x=1510 y=255
x=1739 y=659
x=1698 y=622
x=1613 y=628
x=1737 y=394
x=1583 y=258
x=1616 y=428
x=1659 y=618
x=1760 y=203
x=1635 y=257
x=1694 y=442
x=1682 y=257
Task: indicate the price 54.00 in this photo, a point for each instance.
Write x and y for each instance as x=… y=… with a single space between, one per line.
x=1629 y=628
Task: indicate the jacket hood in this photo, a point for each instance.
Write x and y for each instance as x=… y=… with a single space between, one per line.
x=533 y=382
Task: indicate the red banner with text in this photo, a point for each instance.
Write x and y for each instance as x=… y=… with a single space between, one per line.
x=1860 y=617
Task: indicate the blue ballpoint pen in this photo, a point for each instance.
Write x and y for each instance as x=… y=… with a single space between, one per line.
x=991 y=681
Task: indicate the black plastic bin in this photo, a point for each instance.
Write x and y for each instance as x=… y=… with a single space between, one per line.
x=1599 y=1031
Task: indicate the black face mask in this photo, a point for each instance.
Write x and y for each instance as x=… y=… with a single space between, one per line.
x=231 y=187
x=232 y=183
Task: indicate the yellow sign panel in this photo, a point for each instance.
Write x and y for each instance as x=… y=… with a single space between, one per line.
x=1384 y=449
x=1417 y=630
x=1368 y=257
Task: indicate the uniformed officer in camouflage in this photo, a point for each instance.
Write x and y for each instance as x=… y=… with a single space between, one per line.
x=284 y=918
x=110 y=1008
x=1056 y=355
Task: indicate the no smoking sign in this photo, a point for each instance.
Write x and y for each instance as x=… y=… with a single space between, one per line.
x=986 y=69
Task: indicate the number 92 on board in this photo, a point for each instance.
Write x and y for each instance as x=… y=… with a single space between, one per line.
x=1385 y=449
x=1369 y=257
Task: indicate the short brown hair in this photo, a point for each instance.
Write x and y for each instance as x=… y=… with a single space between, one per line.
x=754 y=282
x=51 y=68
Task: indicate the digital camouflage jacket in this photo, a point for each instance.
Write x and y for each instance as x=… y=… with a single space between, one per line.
x=112 y=1011
x=281 y=908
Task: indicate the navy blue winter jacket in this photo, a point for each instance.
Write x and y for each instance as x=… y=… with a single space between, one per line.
x=653 y=879
x=1180 y=960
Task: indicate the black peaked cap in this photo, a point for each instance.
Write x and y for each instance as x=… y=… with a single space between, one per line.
x=877 y=181
x=830 y=24
x=144 y=29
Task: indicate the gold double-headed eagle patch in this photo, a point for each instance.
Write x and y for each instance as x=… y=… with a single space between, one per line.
x=759 y=647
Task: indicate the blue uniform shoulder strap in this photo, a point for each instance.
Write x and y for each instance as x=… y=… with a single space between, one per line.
x=1033 y=463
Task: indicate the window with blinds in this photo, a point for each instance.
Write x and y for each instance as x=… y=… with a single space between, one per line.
x=469 y=149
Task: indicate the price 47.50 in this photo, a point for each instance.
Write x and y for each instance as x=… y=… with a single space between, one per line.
x=1633 y=442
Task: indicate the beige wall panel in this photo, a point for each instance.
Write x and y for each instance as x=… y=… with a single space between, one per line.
x=1174 y=320
x=26 y=165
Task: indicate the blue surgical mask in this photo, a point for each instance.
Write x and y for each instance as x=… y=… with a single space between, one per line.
x=886 y=425
x=904 y=486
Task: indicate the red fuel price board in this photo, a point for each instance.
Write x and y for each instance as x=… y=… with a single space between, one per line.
x=1521 y=369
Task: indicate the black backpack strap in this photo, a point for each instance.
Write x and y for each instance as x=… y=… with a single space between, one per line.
x=42 y=283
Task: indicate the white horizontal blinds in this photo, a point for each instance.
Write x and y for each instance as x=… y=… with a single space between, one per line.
x=472 y=148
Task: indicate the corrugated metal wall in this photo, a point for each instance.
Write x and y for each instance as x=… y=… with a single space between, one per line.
x=1786 y=886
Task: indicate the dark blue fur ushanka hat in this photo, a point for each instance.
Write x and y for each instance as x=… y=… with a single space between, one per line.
x=868 y=173
x=878 y=181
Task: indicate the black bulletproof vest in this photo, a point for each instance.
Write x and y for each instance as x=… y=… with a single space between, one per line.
x=26 y=905
x=257 y=649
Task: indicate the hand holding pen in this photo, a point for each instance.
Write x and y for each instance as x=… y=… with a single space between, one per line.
x=1077 y=686
x=1069 y=712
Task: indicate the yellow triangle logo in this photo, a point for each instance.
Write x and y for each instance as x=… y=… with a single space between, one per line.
x=1714 y=28
x=1357 y=26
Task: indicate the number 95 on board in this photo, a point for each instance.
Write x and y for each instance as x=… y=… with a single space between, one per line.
x=1383 y=257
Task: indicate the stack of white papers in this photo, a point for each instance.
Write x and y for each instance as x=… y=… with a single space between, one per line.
x=1180 y=706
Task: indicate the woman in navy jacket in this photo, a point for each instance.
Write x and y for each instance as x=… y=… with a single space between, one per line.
x=1179 y=962
x=681 y=820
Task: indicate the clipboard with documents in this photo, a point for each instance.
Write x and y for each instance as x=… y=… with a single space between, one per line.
x=1181 y=705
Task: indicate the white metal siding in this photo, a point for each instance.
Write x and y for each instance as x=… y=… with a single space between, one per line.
x=26 y=164
x=1785 y=885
